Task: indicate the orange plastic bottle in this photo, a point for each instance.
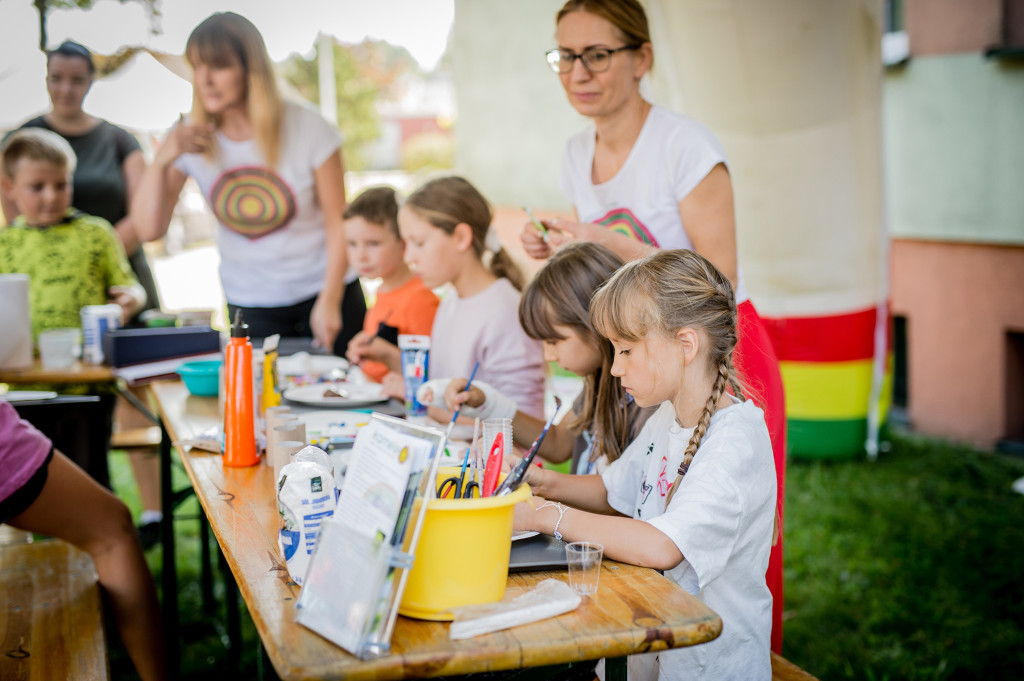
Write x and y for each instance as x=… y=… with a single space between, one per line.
x=239 y=434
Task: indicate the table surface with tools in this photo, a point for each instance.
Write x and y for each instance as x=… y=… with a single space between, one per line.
x=635 y=609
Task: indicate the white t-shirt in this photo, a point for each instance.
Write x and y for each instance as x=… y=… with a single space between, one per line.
x=671 y=156
x=271 y=237
x=485 y=328
x=721 y=518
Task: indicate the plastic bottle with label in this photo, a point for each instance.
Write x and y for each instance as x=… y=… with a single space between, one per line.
x=239 y=423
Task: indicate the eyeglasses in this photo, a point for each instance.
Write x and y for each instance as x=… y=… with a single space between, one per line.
x=595 y=59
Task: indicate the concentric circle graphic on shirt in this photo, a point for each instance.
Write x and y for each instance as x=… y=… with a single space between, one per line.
x=623 y=221
x=252 y=201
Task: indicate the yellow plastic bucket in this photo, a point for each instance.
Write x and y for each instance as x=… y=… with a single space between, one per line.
x=462 y=555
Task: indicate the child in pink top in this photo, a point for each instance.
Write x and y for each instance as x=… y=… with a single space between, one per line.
x=446 y=225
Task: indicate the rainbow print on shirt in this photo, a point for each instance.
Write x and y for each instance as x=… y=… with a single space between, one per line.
x=623 y=221
x=252 y=201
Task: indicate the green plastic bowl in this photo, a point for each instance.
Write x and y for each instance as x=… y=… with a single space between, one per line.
x=201 y=378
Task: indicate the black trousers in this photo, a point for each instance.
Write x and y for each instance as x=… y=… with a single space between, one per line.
x=292 y=321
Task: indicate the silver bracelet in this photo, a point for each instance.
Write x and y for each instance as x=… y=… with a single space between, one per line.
x=561 y=513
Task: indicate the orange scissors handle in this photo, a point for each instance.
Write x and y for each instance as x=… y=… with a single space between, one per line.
x=493 y=468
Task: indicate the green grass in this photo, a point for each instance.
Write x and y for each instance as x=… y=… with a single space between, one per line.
x=909 y=568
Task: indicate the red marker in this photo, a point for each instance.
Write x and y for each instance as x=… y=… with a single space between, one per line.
x=493 y=468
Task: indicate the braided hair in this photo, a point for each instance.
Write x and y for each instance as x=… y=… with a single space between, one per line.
x=663 y=293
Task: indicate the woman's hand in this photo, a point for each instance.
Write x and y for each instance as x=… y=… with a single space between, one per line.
x=560 y=232
x=325 y=321
x=535 y=245
x=185 y=138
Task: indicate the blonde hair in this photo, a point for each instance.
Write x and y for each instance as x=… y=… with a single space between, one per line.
x=446 y=202
x=559 y=294
x=224 y=39
x=37 y=144
x=662 y=293
x=627 y=16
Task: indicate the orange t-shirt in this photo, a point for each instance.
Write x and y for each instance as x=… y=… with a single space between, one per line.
x=410 y=308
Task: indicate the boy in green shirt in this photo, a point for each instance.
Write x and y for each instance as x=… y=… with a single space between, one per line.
x=73 y=259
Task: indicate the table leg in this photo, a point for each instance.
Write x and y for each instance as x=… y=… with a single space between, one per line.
x=206 y=573
x=169 y=574
x=234 y=619
x=615 y=669
x=264 y=669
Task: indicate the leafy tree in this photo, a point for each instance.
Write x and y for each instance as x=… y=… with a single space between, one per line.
x=364 y=74
x=44 y=6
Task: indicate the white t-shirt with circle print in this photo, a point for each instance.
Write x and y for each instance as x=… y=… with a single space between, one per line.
x=271 y=229
x=721 y=518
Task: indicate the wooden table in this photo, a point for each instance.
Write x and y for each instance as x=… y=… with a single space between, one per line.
x=635 y=610
x=78 y=372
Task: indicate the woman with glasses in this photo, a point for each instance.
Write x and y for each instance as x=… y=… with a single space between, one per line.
x=641 y=178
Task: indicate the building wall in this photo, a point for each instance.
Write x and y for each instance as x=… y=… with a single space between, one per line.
x=950 y=26
x=953 y=122
x=953 y=129
x=960 y=301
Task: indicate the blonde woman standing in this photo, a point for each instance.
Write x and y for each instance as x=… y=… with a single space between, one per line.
x=271 y=171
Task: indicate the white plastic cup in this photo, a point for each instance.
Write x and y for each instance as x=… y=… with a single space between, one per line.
x=57 y=348
x=584 y=559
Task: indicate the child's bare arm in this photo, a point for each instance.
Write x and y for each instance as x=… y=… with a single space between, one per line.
x=624 y=539
x=581 y=491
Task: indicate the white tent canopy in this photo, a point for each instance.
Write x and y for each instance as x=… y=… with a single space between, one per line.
x=143 y=95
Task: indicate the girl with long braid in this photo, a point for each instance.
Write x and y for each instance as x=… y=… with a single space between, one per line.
x=694 y=494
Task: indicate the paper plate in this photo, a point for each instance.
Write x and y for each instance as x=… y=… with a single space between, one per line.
x=303 y=365
x=352 y=395
x=526 y=534
x=27 y=395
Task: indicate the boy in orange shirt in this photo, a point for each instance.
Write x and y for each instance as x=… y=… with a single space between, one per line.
x=375 y=248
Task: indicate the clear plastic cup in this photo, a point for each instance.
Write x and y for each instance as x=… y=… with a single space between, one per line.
x=584 y=559
x=491 y=428
x=57 y=348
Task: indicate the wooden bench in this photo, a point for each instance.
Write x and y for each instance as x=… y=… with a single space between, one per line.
x=784 y=670
x=51 y=618
x=135 y=438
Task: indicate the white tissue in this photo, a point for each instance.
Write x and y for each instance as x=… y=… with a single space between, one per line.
x=15 y=322
x=549 y=598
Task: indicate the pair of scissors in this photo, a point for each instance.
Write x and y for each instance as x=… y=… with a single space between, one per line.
x=455 y=483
